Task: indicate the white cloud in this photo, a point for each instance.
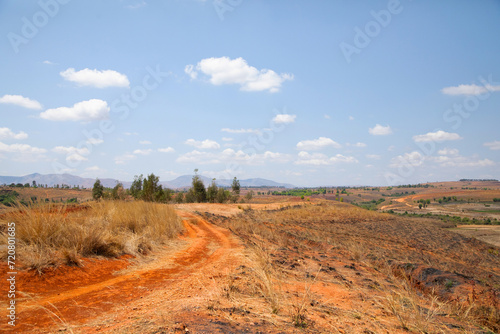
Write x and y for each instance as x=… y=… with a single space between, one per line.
x=137 y=5
x=284 y=119
x=357 y=145
x=379 y=130
x=205 y=144
x=374 y=156
x=75 y=158
x=96 y=78
x=319 y=159
x=351 y=118
x=317 y=144
x=494 y=145
x=240 y=130
x=166 y=150
x=343 y=158
x=189 y=69
x=6 y=133
x=230 y=155
x=470 y=89
x=21 y=148
x=73 y=154
x=90 y=110
x=21 y=101
x=145 y=142
x=225 y=71
x=71 y=150
x=437 y=136
x=461 y=161
x=93 y=169
x=123 y=159
x=143 y=152
x=227 y=139
x=95 y=141
x=130 y=133
x=326 y=116
x=414 y=158
x=448 y=151
x=48 y=62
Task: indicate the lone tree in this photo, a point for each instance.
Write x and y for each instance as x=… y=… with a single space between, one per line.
x=199 y=191
x=136 y=187
x=97 y=190
x=236 y=186
x=212 y=192
x=151 y=190
x=118 y=192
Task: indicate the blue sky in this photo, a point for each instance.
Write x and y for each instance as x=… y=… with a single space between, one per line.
x=305 y=92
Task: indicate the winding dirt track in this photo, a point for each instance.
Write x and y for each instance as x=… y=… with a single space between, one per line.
x=77 y=305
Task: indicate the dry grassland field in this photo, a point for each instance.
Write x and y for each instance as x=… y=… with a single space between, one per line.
x=273 y=264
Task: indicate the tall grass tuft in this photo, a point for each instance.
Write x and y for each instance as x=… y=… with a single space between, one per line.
x=50 y=234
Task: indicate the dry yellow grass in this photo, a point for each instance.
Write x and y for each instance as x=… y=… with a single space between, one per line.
x=48 y=235
x=376 y=241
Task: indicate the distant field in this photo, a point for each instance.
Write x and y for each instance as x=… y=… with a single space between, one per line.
x=486 y=233
x=46 y=195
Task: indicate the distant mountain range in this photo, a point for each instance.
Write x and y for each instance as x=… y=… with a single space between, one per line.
x=183 y=181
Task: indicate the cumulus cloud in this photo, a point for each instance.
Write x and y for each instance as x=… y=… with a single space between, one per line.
x=96 y=78
x=317 y=144
x=95 y=141
x=448 y=151
x=190 y=70
x=226 y=71
x=6 y=133
x=461 y=161
x=374 y=156
x=20 y=101
x=379 y=130
x=90 y=110
x=230 y=155
x=414 y=158
x=21 y=148
x=205 y=144
x=319 y=159
x=137 y=5
x=240 y=130
x=494 y=145
x=73 y=154
x=70 y=150
x=470 y=89
x=166 y=150
x=144 y=142
x=357 y=145
x=124 y=158
x=143 y=152
x=284 y=119
x=437 y=136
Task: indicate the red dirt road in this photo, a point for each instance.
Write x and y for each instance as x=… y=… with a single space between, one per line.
x=45 y=304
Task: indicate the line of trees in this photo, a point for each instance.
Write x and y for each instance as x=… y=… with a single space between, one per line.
x=149 y=189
